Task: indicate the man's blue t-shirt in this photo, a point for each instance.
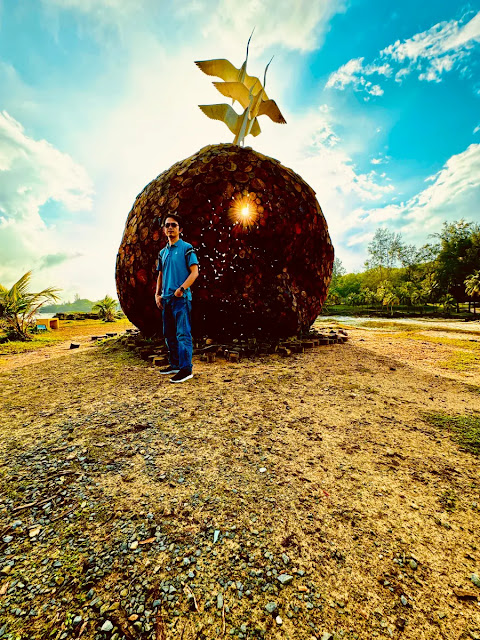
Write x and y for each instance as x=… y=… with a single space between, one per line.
x=172 y=262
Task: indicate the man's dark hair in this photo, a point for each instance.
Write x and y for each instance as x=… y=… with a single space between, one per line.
x=175 y=216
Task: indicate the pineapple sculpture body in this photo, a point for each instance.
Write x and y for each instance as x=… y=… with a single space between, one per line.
x=262 y=241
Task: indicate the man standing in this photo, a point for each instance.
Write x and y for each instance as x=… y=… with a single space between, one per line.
x=177 y=268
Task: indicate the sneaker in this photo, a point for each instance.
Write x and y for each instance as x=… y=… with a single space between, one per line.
x=169 y=369
x=182 y=375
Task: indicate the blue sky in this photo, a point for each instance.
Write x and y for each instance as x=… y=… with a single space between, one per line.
x=97 y=97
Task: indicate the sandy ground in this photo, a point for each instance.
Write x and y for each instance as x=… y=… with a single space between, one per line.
x=325 y=458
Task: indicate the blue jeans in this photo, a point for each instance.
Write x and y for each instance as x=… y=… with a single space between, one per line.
x=177 y=331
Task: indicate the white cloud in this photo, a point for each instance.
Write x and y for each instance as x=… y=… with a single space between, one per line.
x=297 y=25
x=477 y=129
x=355 y=73
x=32 y=172
x=300 y=25
x=453 y=193
x=373 y=90
x=430 y=54
x=348 y=73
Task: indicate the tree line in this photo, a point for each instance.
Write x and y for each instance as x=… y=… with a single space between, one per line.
x=445 y=272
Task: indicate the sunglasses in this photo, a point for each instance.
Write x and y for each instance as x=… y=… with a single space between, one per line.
x=171 y=224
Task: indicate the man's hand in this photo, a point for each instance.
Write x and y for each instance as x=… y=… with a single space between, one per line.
x=178 y=293
x=158 y=300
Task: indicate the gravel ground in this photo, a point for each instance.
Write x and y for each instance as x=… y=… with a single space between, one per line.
x=304 y=497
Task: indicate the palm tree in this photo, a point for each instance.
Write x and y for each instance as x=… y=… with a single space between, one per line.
x=107 y=309
x=448 y=302
x=472 y=287
x=389 y=300
x=18 y=306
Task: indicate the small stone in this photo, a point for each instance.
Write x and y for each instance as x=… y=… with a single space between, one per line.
x=219 y=601
x=134 y=545
x=413 y=563
x=77 y=620
x=107 y=626
x=279 y=620
x=403 y=600
x=262 y=469
x=285 y=558
x=285 y=578
x=475 y=578
x=7 y=539
x=216 y=535
x=271 y=607
x=326 y=636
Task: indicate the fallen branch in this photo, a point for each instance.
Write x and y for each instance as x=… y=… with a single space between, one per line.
x=82 y=628
x=191 y=594
x=160 y=631
x=63 y=473
x=37 y=503
x=62 y=515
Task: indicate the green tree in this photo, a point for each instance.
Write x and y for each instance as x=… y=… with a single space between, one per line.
x=385 y=251
x=472 y=287
x=458 y=257
x=369 y=296
x=19 y=306
x=387 y=295
x=107 y=309
x=448 y=302
x=405 y=292
x=347 y=284
x=337 y=272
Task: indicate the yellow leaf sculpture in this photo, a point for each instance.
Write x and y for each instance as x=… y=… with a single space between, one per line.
x=245 y=89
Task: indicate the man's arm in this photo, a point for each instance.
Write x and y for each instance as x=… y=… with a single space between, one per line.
x=158 y=291
x=189 y=281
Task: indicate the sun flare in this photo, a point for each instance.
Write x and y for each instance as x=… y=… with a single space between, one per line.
x=243 y=211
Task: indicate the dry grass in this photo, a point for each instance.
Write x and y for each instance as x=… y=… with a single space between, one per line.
x=356 y=484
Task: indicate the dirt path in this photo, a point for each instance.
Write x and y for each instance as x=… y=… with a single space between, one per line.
x=311 y=488
x=80 y=333
x=58 y=350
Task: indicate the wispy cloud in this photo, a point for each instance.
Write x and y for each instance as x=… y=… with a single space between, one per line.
x=55 y=259
x=297 y=25
x=429 y=54
x=452 y=193
x=354 y=72
x=32 y=172
x=300 y=25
